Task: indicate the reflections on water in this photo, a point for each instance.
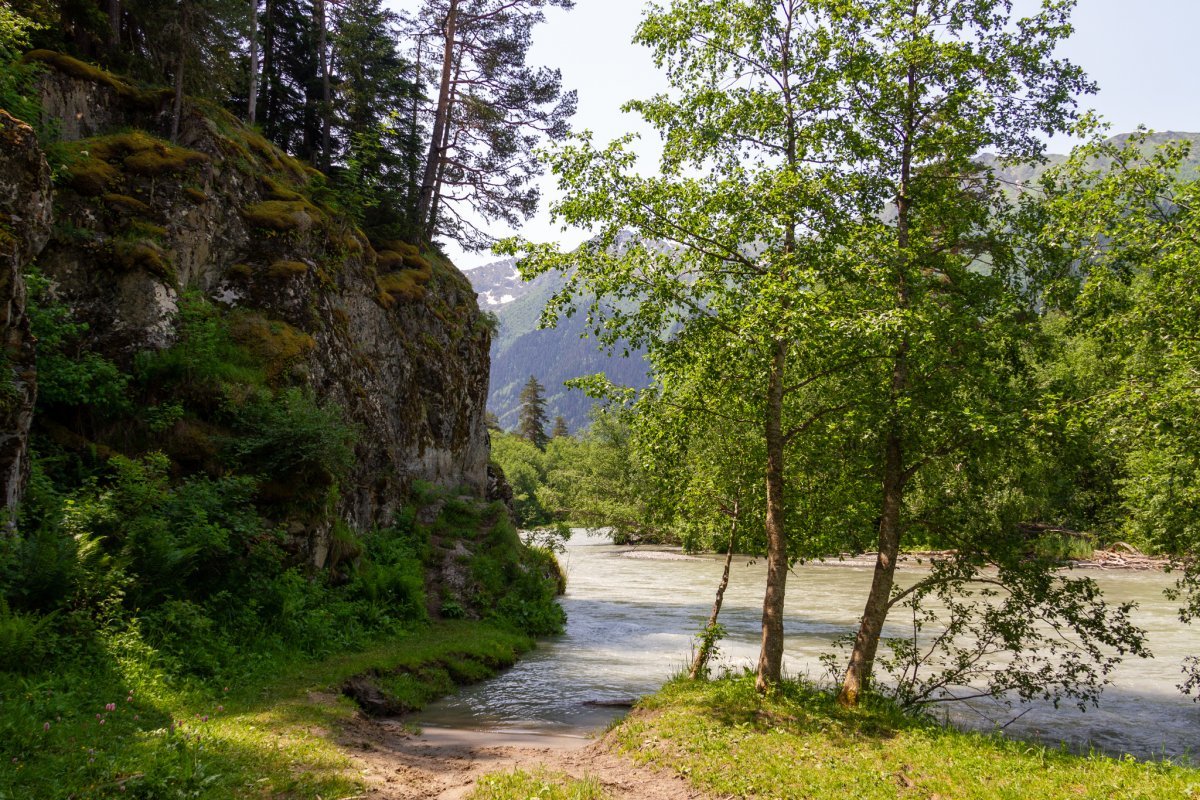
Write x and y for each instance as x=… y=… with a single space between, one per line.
x=632 y=614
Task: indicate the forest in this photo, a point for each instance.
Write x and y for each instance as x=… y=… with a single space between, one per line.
x=877 y=320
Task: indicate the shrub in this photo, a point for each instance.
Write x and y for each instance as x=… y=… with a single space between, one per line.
x=204 y=360
x=70 y=375
x=290 y=436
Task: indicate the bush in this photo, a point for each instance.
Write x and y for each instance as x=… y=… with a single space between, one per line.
x=69 y=375
x=290 y=436
x=204 y=361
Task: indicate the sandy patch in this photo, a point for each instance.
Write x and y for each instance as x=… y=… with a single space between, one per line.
x=444 y=763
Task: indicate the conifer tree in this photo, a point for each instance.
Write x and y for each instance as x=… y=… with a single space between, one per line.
x=490 y=112
x=560 y=428
x=531 y=424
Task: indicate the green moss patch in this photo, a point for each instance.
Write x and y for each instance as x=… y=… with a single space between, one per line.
x=287 y=269
x=73 y=67
x=123 y=202
x=142 y=255
x=91 y=176
x=413 y=683
x=283 y=215
x=277 y=191
x=100 y=161
x=409 y=284
x=276 y=343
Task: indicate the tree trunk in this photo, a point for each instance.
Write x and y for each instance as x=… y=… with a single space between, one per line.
x=180 y=64
x=252 y=97
x=114 y=26
x=700 y=662
x=770 y=658
x=323 y=61
x=268 y=66
x=866 y=641
x=414 y=162
x=440 y=122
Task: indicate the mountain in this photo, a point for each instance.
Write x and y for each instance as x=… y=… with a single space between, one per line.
x=520 y=348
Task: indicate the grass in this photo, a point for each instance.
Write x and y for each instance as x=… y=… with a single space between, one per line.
x=799 y=743
x=113 y=724
x=539 y=785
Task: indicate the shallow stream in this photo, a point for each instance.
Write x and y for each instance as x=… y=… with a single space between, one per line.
x=632 y=613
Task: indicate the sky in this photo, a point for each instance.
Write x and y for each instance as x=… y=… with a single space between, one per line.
x=1141 y=53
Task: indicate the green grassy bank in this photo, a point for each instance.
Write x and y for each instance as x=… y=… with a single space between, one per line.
x=799 y=743
x=118 y=727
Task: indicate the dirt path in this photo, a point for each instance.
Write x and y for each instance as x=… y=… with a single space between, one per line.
x=444 y=764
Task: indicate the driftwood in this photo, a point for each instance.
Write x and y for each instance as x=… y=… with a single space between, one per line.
x=624 y=703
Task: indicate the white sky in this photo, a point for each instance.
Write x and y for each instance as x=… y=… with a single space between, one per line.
x=1142 y=54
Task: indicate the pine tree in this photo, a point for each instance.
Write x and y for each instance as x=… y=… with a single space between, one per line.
x=560 y=428
x=375 y=145
x=491 y=110
x=532 y=421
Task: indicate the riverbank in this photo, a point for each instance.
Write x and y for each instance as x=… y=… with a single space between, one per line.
x=129 y=729
x=726 y=741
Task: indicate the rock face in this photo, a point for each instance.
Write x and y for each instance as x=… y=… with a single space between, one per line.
x=391 y=333
x=25 y=218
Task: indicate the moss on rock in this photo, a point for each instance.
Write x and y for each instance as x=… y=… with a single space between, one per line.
x=123 y=202
x=287 y=269
x=91 y=176
x=142 y=255
x=139 y=98
x=282 y=215
x=275 y=342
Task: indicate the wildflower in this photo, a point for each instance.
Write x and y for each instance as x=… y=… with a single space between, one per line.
x=204 y=718
x=46 y=726
x=110 y=707
x=99 y=716
x=101 y=722
x=135 y=716
x=220 y=709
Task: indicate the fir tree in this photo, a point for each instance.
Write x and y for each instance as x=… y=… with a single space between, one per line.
x=531 y=424
x=560 y=428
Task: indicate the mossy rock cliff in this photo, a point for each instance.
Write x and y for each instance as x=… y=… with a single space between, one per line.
x=390 y=331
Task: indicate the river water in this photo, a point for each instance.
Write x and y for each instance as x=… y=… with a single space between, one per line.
x=632 y=613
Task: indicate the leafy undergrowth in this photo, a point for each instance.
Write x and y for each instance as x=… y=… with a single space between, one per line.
x=801 y=744
x=522 y=785
x=110 y=724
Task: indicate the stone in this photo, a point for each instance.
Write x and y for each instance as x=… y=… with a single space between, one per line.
x=26 y=214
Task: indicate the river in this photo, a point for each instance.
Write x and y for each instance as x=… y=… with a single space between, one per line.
x=632 y=613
